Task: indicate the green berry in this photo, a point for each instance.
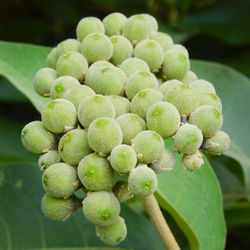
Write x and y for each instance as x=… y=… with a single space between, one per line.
x=184 y=97
x=181 y=49
x=97 y=64
x=60 y=180
x=121 y=191
x=121 y=104
x=52 y=58
x=138 y=28
x=138 y=81
x=163 y=39
x=131 y=125
x=188 y=139
x=143 y=100
x=78 y=93
x=217 y=144
x=93 y=107
x=123 y=49
x=175 y=64
x=163 y=118
x=203 y=85
x=67 y=46
x=104 y=134
x=106 y=80
x=208 y=119
x=189 y=77
x=142 y=181
x=123 y=158
x=192 y=162
x=132 y=65
x=59 y=209
x=95 y=172
x=148 y=146
x=73 y=146
x=97 y=46
x=167 y=85
x=59 y=116
x=87 y=26
x=151 y=52
x=43 y=81
x=101 y=208
x=61 y=85
x=113 y=23
x=210 y=99
x=113 y=234
x=36 y=138
x=72 y=64
x=165 y=163
x=49 y=158
x=152 y=22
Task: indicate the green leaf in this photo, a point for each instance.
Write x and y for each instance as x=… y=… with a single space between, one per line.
x=234 y=90
x=195 y=202
x=19 y=63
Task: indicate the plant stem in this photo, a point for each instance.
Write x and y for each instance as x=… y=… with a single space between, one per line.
x=154 y=212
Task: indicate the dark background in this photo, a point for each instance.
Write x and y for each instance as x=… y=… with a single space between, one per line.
x=212 y=30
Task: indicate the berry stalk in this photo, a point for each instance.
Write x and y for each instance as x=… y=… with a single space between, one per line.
x=153 y=210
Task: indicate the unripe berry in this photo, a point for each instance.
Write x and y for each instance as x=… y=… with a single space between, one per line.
x=163 y=39
x=36 y=138
x=121 y=104
x=87 y=26
x=59 y=209
x=188 y=139
x=184 y=97
x=131 y=125
x=97 y=46
x=52 y=58
x=113 y=234
x=143 y=100
x=123 y=49
x=113 y=23
x=106 y=80
x=151 y=52
x=148 y=146
x=104 y=134
x=152 y=22
x=77 y=94
x=95 y=172
x=175 y=64
x=210 y=99
x=73 y=146
x=217 y=144
x=49 y=158
x=67 y=46
x=189 y=77
x=192 y=162
x=96 y=64
x=59 y=116
x=167 y=85
x=163 y=118
x=123 y=158
x=181 y=49
x=132 y=65
x=61 y=85
x=165 y=163
x=138 y=28
x=60 y=180
x=138 y=81
x=43 y=81
x=101 y=208
x=208 y=119
x=142 y=181
x=203 y=85
x=121 y=191
x=93 y=107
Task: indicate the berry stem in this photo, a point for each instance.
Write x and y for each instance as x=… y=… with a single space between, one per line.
x=154 y=212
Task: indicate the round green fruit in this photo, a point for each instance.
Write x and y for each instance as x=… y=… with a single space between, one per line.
x=49 y=158
x=192 y=162
x=189 y=77
x=163 y=39
x=208 y=98
x=67 y=46
x=52 y=58
x=121 y=191
x=121 y=104
x=203 y=85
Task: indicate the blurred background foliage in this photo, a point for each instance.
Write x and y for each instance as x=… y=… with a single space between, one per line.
x=212 y=30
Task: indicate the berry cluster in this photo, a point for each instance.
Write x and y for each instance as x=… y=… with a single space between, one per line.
x=117 y=92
